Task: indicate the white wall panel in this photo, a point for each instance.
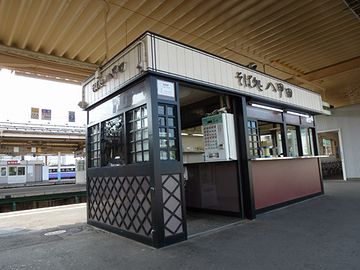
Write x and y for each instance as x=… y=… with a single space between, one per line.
x=189 y=63
x=180 y=54
x=172 y=56
x=216 y=72
x=204 y=73
x=149 y=48
x=131 y=58
x=161 y=53
x=194 y=65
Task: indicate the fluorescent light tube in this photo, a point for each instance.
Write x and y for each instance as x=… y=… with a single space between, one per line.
x=266 y=107
x=298 y=114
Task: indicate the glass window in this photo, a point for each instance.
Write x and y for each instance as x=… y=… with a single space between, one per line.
x=172 y=155
x=21 y=170
x=162 y=132
x=12 y=171
x=171 y=122
x=145 y=134
x=94 y=145
x=113 y=146
x=311 y=138
x=3 y=171
x=270 y=139
x=163 y=155
x=144 y=111
x=253 y=139
x=326 y=147
x=146 y=155
x=292 y=141
x=138 y=135
x=145 y=145
x=170 y=111
x=307 y=141
x=168 y=132
x=162 y=121
x=80 y=165
x=132 y=97
x=161 y=110
x=172 y=143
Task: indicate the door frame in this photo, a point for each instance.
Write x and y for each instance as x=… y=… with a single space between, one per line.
x=341 y=148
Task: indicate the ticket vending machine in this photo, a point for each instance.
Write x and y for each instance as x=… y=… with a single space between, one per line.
x=219 y=137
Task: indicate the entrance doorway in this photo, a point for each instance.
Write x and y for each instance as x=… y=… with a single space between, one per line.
x=212 y=191
x=331 y=146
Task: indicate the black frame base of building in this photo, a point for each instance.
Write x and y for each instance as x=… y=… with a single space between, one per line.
x=287 y=203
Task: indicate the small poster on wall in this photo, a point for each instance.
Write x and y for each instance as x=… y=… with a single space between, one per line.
x=45 y=114
x=71 y=116
x=35 y=113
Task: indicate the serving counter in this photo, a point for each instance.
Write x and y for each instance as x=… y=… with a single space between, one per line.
x=284 y=180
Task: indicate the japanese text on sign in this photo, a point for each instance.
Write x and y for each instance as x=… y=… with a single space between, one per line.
x=100 y=82
x=251 y=81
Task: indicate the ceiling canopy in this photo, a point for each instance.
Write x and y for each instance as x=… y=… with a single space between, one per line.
x=315 y=44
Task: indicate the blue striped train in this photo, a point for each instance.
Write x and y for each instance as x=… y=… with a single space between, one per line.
x=66 y=172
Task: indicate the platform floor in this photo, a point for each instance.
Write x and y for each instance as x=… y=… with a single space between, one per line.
x=41 y=218
x=47 y=218
x=321 y=233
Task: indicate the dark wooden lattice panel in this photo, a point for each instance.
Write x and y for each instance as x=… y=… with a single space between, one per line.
x=122 y=202
x=172 y=204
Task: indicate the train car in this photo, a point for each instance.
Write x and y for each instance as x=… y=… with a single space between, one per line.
x=66 y=172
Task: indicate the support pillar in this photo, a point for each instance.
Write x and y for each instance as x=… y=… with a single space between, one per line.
x=59 y=165
x=245 y=172
x=169 y=202
x=13 y=206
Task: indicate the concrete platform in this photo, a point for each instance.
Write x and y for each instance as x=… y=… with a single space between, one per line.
x=37 y=190
x=321 y=233
x=42 y=218
x=42 y=183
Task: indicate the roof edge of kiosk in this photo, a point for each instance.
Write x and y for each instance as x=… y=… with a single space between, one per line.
x=152 y=52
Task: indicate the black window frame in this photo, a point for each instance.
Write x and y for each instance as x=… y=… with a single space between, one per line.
x=94 y=146
x=253 y=131
x=312 y=140
x=171 y=150
x=297 y=139
x=105 y=159
x=285 y=120
x=273 y=136
x=137 y=134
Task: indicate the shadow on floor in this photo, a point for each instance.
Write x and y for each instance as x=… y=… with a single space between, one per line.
x=199 y=222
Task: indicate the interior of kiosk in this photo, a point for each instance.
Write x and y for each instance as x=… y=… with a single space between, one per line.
x=212 y=192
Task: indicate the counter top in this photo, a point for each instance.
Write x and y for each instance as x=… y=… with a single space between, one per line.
x=284 y=158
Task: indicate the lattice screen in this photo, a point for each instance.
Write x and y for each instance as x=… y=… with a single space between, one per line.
x=123 y=202
x=172 y=204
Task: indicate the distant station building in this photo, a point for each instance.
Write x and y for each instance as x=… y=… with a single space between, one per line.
x=22 y=172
